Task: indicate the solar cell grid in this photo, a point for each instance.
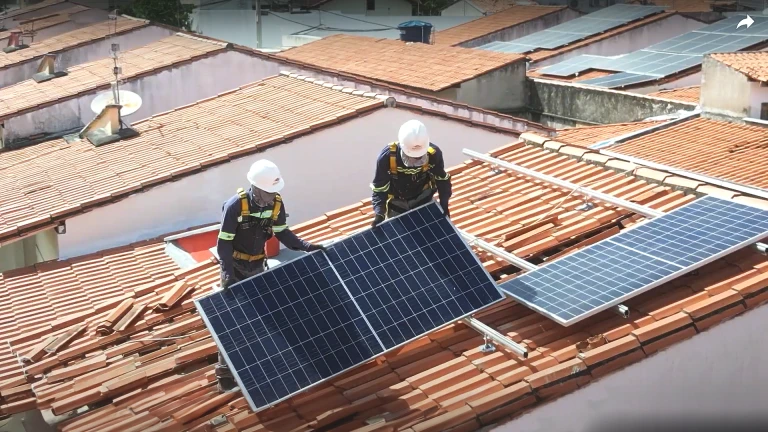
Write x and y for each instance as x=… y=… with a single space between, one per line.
x=638 y=259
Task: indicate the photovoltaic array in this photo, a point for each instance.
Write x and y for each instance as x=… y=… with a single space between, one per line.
x=613 y=270
x=309 y=319
x=576 y=29
x=668 y=57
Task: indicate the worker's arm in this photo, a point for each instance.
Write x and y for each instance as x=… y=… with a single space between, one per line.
x=285 y=235
x=380 y=184
x=442 y=180
x=224 y=247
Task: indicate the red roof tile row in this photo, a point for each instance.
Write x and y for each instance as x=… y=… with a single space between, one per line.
x=415 y=65
x=752 y=64
x=30 y=95
x=44 y=22
x=690 y=94
x=140 y=380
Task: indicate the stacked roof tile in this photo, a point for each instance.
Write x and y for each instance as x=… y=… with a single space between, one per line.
x=729 y=151
x=690 y=94
x=170 y=145
x=70 y=40
x=416 y=65
x=752 y=64
x=508 y=17
x=153 y=371
x=44 y=22
x=85 y=78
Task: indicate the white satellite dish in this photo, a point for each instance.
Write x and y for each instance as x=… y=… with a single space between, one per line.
x=130 y=101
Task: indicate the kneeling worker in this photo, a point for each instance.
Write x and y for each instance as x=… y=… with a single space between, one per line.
x=249 y=219
x=408 y=173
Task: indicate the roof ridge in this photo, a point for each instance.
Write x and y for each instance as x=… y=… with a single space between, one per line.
x=146 y=21
x=211 y=41
x=388 y=100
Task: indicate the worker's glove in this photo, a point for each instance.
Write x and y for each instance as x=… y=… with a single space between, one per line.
x=446 y=212
x=315 y=247
x=377 y=220
x=226 y=281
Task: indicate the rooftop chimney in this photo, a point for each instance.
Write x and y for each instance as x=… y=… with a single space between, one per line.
x=107 y=127
x=45 y=71
x=14 y=42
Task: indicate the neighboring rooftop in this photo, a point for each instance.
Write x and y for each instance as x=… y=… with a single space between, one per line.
x=752 y=64
x=690 y=94
x=414 y=65
x=30 y=8
x=728 y=151
x=30 y=95
x=136 y=380
x=588 y=135
x=509 y=17
x=44 y=22
x=70 y=40
x=170 y=145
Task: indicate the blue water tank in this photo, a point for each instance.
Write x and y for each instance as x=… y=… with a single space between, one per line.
x=415 y=31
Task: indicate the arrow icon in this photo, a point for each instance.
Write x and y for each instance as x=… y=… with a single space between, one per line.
x=748 y=21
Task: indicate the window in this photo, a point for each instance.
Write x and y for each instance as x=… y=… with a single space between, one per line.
x=764 y=111
x=371 y=4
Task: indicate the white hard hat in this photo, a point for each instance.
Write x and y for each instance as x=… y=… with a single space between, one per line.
x=266 y=176
x=413 y=138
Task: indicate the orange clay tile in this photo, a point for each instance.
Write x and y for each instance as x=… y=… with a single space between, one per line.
x=512 y=16
x=46 y=21
x=71 y=39
x=386 y=59
x=752 y=64
x=682 y=94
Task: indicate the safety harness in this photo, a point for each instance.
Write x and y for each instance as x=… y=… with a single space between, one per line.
x=245 y=214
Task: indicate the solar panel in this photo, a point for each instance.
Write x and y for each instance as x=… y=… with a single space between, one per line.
x=620 y=79
x=287 y=329
x=310 y=319
x=588 y=281
x=575 y=65
x=625 y=12
x=412 y=275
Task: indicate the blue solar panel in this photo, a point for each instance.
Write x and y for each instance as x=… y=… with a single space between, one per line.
x=309 y=319
x=593 y=279
x=618 y=80
x=287 y=329
x=413 y=274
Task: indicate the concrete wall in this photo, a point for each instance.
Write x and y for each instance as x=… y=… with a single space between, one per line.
x=462 y=8
x=310 y=165
x=715 y=381
x=359 y=7
x=523 y=29
x=725 y=91
x=500 y=90
x=86 y=53
x=758 y=95
x=580 y=103
x=160 y=92
x=631 y=40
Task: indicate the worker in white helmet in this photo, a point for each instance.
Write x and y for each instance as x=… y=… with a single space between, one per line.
x=249 y=219
x=408 y=173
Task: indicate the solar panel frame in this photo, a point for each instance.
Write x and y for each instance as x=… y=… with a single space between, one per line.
x=228 y=354
x=611 y=247
x=418 y=246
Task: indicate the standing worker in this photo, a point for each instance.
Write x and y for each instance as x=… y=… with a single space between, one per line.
x=408 y=173
x=248 y=220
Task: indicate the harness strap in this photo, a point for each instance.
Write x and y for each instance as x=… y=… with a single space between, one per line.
x=276 y=208
x=246 y=257
x=245 y=209
x=393 y=159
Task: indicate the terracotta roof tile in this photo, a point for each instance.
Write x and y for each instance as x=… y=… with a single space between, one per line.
x=494 y=6
x=588 y=135
x=416 y=65
x=751 y=64
x=729 y=151
x=69 y=40
x=32 y=8
x=682 y=94
x=439 y=382
x=30 y=95
x=40 y=23
x=509 y=16
x=240 y=121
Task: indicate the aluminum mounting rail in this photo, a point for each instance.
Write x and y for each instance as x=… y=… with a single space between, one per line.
x=491 y=334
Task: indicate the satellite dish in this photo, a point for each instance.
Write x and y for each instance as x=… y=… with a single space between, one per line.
x=130 y=101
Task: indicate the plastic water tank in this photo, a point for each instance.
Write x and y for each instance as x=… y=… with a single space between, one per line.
x=415 y=31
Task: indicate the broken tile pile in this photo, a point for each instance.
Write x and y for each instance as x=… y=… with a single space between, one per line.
x=507 y=16
x=70 y=40
x=146 y=362
x=400 y=63
x=170 y=145
x=30 y=95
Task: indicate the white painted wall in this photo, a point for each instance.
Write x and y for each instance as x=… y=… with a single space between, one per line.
x=462 y=8
x=324 y=171
x=160 y=92
x=758 y=95
x=86 y=53
x=29 y=251
x=381 y=7
x=717 y=376
x=631 y=40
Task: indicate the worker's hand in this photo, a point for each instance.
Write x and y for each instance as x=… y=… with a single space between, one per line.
x=315 y=247
x=447 y=212
x=377 y=220
x=226 y=281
